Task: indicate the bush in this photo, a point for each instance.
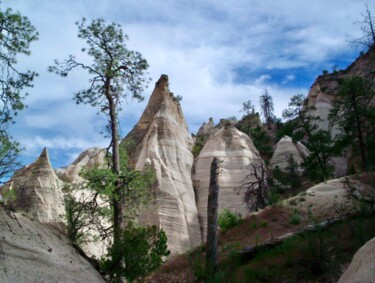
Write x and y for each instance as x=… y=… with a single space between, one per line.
x=141 y=249
x=228 y=220
x=295 y=219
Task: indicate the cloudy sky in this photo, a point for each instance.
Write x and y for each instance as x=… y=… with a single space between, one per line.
x=217 y=54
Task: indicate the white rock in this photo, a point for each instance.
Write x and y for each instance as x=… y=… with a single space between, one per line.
x=362 y=267
x=38 y=191
x=89 y=159
x=32 y=252
x=236 y=151
x=283 y=150
x=161 y=138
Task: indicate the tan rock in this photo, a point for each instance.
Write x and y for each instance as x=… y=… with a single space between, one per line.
x=32 y=252
x=207 y=128
x=236 y=151
x=362 y=267
x=89 y=159
x=285 y=149
x=38 y=191
x=161 y=138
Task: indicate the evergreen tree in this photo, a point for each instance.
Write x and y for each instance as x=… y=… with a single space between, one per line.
x=16 y=34
x=318 y=141
x=353 y=113
x=266 y=106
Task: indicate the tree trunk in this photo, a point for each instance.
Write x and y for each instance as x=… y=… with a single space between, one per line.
x=212 y=211
x=117 y=200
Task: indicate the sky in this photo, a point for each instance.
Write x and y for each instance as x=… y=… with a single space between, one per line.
x=217 y=54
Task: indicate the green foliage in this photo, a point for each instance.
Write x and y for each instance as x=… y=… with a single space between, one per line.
x=319 y=142
x=227 y=220
x=262 y=142
x=9 y=152
x=141 y=249
x=198 y=145
x=295 y=218
x=353 y=113
x=247 y=108
x=16 y=34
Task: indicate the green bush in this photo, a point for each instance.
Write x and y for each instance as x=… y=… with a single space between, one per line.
x=228 y=220
x=295 y=219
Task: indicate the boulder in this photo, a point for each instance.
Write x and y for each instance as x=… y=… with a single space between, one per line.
x=32 y=252
x=284 y=150
x=161 y=139
x=38 y=191
x=362 y=267
x=236 y=151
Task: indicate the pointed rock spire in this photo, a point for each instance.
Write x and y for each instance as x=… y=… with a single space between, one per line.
x=38 y=191
x=161 y=138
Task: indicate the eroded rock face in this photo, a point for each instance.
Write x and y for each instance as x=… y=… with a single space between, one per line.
x=38 y=191
x=32 y=252
x=207 y=128
x=361 y=269
x=324 y=91
x=285 y=149
x=89 y=159
x=235 y=151
x=161 y=139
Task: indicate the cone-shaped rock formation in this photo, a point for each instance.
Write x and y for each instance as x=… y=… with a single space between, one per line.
x=236 y=151
x=285 y=149
x=161 y=139
x=38 y=191
x=89 y=159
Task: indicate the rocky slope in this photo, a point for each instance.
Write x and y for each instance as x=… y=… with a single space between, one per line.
x=32 y=252
x=207 y=128
x=236 y=151
x=285 y=149
x=161 y=139
x=38 y=191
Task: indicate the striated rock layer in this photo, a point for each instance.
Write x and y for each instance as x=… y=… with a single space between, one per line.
x=32 y=252
x=38 y=191
x=236 y=151
x=161 y=138
x=89 y=159
x=285 y=149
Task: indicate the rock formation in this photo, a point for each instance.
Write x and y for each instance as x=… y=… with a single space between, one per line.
x=161 y=139
x=236 y=151
x=207 y=128
x=361 y=269
x=284 y=150
x=89 y=159
x=38 y=191
x=323 y=92
x=32 y=252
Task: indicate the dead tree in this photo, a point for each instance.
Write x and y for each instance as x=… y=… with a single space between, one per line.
x=212 y=212
x=256 y=186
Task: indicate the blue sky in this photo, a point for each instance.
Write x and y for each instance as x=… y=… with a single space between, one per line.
x=217 y=54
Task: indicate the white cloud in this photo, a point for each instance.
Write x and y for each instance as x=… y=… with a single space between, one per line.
x=199 y=44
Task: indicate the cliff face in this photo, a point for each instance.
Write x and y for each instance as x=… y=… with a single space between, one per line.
x=236 y=151
x=161 y=139
x=32 y=252
x=38 y=191
x=323 y=92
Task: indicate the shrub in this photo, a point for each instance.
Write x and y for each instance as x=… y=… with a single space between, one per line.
x=228 y=220
x=295 y=219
